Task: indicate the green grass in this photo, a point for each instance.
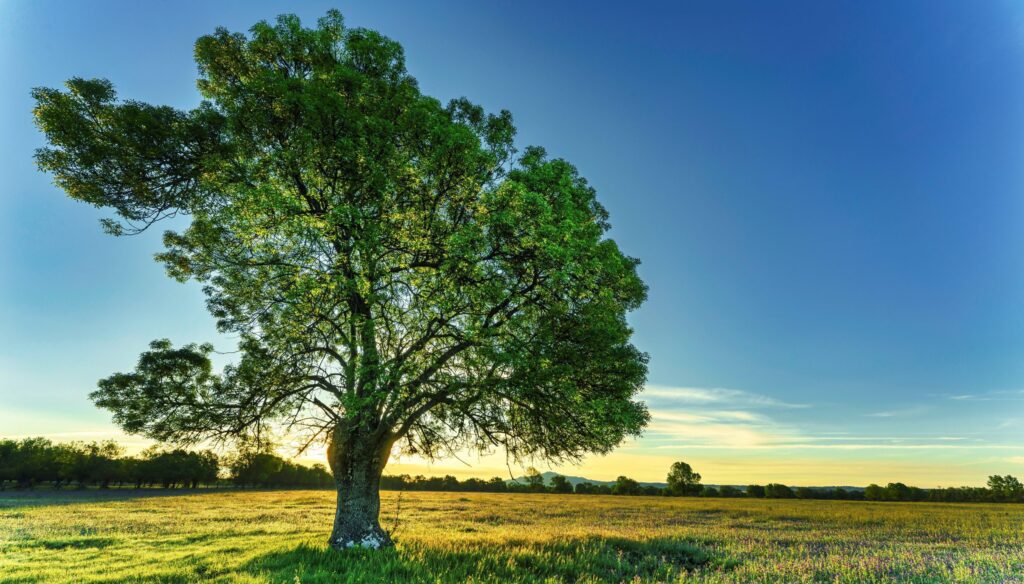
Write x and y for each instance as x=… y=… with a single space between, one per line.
x=470 y=537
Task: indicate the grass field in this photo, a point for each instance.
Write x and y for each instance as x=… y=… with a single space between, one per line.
x=458 y=537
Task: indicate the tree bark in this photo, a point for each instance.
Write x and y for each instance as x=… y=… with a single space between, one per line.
x=357 y=461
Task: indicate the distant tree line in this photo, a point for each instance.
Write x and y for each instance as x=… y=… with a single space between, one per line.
x=683 y=481
x=1000 y=489
x=446 y=483
x=32 y=462
x=262 y=469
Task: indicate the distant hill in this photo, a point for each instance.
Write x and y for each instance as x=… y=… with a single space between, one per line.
x=574 y=480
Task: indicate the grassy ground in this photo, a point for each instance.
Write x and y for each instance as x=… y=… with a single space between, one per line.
x=457 y=537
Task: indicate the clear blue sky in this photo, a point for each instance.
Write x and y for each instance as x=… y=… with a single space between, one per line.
x=828 y=199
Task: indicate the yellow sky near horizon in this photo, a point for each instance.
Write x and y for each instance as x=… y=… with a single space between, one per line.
x=729 y=436
x=796 y=466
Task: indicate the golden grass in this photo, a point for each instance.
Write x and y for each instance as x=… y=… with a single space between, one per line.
x=480 y=537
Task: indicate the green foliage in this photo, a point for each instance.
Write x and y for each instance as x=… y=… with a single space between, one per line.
x=778 y=491
x=264 y=469
x=560 y=484
x=171 y=468
x=897 y=492
x=445 y=483
x=874 y=492
x=534 y=481
x=626 y=486
x=682 y=480
x=36 y=462
x=729 y=491
x=586 y=488
x=393 y=267
x=1006 y=488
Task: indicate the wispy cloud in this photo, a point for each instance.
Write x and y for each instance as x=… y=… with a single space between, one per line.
x=1010 y=423
x=711 y=430
x=716 y=395
x=719 y=417
x=994 y=395
x=901 y=413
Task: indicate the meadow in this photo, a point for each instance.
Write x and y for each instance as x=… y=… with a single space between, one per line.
x=278 y=536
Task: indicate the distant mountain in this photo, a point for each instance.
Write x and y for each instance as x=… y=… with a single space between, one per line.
x=576 y=480
x=573 y=480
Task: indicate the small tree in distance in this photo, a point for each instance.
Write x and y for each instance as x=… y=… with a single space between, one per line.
x=778 y=491
x=1005 y=488
x=683 y=481
x=626 y=486
x=534 y=481
x=560 y=484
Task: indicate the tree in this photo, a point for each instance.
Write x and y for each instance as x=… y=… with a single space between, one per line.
x=682 y=480
x=900 y=492
x=625 y=486
x=396 y=272
x=560 y=484
x=707 y=491
x=729 y=491
x=778 y=491
x=805 y=493
x=202 y=468
x=103 y=462
x=8 y=462
x=534 y=481
x=756 y=491
x=1005 y=488
x=874 y=492
x=255 y=468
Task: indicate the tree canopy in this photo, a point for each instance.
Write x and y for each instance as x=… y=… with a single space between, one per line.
x=395 y=270
x=682 y=480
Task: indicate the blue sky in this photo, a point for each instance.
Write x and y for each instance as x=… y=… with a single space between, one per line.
x=827 y=200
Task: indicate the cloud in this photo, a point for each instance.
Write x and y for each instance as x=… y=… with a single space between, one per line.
x=994 y=395
x=715 y=395
x=914 y=411
x=718 y=416
x=710 y=429
x=697 y=418
x=714 y=417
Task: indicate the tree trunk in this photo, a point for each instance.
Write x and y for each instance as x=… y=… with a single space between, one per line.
x=357 y=461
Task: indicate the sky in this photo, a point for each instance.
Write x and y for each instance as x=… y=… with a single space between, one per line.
x=827 y=198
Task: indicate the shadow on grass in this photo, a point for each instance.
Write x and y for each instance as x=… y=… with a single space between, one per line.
x=10 y=499
x=591 y=559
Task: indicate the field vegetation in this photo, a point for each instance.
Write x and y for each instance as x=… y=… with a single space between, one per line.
x=279 y=536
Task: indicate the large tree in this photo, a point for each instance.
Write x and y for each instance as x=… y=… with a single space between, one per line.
x=397 y=275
